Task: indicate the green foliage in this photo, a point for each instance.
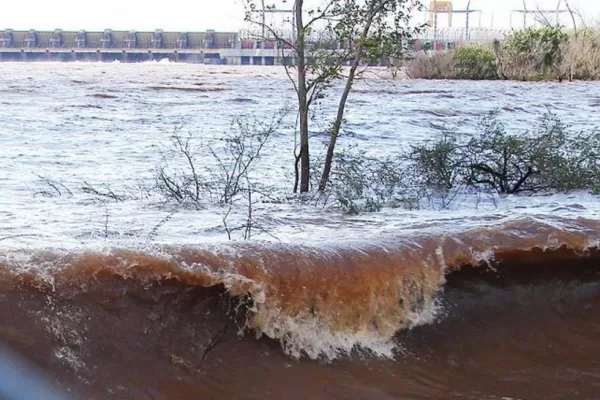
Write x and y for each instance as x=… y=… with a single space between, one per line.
x=570 y=160
x=326 y=38
x=540 y=44
x=475 y=62
x=549 y=159
x=505 y=163
x=532 y=54
x=471 y=62
x=438 y=166
x=360 y=183
x=548 y=53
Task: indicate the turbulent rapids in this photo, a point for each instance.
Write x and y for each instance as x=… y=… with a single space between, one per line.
x=126 y=297
x=185 y=309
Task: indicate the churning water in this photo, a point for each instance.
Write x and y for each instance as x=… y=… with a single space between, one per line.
x=115 y=300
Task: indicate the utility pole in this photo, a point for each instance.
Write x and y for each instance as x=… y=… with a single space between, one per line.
x=264 y=18
x=468 y=14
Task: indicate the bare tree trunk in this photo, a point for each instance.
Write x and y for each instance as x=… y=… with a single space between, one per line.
x=296 y=172
x=304 y=149
x=335 y=130
x=302 y=98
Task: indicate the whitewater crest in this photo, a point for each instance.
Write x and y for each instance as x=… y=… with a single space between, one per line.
x=318 y=301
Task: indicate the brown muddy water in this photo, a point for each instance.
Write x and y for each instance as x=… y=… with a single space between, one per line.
x=504 y=312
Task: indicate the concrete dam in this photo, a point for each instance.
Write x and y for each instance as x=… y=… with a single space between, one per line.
x=208 y=47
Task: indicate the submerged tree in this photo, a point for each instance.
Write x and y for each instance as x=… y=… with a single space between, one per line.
x=322 y=41
x=551 y=158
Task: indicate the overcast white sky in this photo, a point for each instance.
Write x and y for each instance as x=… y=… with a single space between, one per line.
x=199 y=15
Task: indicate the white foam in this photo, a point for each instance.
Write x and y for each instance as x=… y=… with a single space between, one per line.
x=47 y=128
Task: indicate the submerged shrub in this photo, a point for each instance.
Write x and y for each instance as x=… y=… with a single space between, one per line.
x=548 y=159
x=570 y=160
x=438 y=166
x=360 y=183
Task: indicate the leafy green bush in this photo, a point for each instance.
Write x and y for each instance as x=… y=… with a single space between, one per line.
x=475 y=62
x=570 y=160
x=543 y=43
x=438 y=166
x=550 y=159
x=532 y=53
x=360 y=183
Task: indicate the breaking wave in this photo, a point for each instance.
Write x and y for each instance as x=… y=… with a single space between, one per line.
x=317 y=301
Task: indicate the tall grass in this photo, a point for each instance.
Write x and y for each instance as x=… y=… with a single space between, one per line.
x=547 y=53
x=581 y=56
x=435 y=66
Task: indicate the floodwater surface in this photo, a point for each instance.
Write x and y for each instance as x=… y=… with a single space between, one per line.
x=117 y=294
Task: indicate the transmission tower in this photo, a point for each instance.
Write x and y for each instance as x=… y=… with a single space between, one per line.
x=545 y=14
x=446 y=7
x=272 y=10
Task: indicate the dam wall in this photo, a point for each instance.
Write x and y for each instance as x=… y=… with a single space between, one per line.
x=130 y=46
x=208 y=47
